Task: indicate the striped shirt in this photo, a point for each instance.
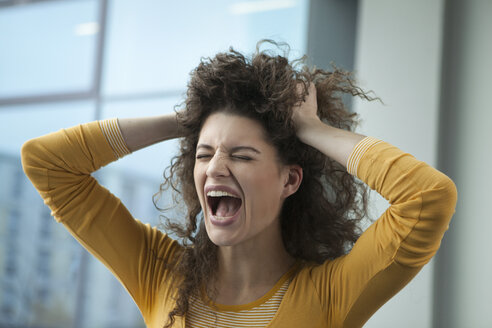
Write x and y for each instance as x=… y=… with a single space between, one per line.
x=255 y=314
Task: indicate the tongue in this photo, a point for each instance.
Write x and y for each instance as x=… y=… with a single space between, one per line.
x=227 y=206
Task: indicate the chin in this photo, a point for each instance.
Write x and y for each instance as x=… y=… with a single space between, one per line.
x=222 y=242
x=220 y=238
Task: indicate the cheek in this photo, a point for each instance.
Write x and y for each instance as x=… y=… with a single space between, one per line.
x=195 y=177
x=264 y=189
x=195 y=174
x=198 y=179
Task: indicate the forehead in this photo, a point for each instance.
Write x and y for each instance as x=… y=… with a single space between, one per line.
x=226 y=128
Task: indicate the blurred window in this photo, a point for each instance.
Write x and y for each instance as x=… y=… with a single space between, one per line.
x=153 y=45
x=47 y=47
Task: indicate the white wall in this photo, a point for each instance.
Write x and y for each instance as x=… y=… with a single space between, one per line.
x=465 y=300
x=398 y=55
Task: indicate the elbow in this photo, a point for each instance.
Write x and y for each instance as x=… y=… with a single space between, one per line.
x=446 y=199
x=30 y=160
x=450 y=192
x=27 y=151
x=453 y=191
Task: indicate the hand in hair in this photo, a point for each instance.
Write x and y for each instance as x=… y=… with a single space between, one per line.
x=333 y=142
x=305 y=115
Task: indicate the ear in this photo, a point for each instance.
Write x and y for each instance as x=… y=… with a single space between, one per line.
x=293 y=180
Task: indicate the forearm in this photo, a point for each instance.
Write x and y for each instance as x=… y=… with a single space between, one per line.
x=333 y=142
x=145 y=131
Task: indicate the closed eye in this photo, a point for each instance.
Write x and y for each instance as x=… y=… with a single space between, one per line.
x=244 y=158
x=203 y=156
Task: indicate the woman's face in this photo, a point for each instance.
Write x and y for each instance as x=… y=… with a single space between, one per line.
x=239 y=180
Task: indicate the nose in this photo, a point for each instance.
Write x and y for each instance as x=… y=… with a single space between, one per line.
x=217 y=166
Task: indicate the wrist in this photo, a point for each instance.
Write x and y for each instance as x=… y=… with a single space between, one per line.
x=307 y=129
x=333 y=142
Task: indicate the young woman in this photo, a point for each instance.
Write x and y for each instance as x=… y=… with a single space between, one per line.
x=267 y=172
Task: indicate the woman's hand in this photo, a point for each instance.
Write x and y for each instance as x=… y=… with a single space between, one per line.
x=333 y=142
x=305 y=115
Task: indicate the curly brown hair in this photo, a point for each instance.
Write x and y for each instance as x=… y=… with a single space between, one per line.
x=264 y=88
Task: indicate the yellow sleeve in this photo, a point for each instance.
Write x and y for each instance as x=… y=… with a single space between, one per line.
x=60 y=166
x=395 y=247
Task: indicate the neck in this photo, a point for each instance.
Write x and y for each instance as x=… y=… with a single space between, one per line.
x=249 y=270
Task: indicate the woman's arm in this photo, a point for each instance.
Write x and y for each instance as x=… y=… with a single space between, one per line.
x=145 y=131
x=393 y=250
x=60 y=165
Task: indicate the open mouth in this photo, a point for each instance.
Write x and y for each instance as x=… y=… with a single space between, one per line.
x=223 y=204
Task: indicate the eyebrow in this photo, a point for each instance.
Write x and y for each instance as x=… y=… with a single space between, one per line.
x=232 y=150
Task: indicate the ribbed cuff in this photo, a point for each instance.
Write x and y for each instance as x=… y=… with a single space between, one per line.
x=112 y=132
x=359 y=151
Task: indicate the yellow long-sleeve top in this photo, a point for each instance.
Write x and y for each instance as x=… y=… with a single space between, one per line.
x=343 y=292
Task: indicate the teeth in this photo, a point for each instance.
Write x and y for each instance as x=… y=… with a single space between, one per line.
x=220 y=193
x=220 y=218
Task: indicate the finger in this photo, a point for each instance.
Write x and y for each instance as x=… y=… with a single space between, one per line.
x=311 y=89
x=300 y=88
